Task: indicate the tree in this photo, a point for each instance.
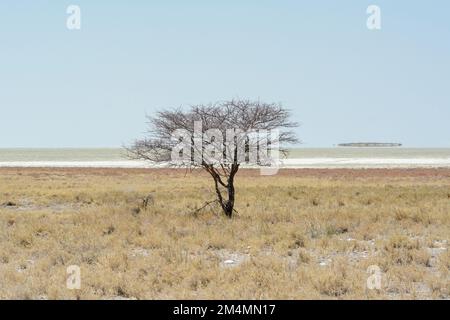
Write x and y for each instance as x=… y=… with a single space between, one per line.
x=218 y=138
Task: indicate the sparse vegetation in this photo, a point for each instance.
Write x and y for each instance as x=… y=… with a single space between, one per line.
x=299 y=234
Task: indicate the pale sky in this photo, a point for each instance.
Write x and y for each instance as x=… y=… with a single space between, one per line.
x=93 y=87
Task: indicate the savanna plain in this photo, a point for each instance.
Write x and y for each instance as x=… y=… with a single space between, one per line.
x=300 y=234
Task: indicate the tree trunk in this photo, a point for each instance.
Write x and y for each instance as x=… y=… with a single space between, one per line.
x=229 y=205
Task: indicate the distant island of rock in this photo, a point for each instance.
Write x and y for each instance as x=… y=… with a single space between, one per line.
x=369 y=144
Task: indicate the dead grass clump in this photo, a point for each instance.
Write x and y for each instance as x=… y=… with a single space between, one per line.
x=333 y=281
x=403 y=250
x=298 y=241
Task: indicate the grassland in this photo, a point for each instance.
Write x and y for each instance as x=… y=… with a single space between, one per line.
x=299 y=234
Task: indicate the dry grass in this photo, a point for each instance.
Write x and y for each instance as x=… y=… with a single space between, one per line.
x=300 y=234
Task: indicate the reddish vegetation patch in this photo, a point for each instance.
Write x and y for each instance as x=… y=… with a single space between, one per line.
x=316 y=173
x=375 y=173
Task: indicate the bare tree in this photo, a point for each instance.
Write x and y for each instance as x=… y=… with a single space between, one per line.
x=218 y=138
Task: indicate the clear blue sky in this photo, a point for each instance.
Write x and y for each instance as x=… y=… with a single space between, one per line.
x=93 y=87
